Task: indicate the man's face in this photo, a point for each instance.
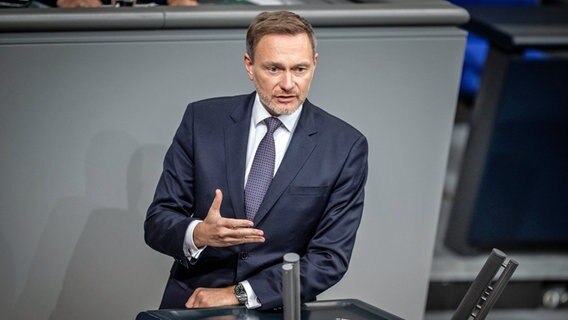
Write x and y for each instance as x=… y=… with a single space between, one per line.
x=282 y=71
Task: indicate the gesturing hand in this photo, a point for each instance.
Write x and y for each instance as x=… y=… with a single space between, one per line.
x=216 y=231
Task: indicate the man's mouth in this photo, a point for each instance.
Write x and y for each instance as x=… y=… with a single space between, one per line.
x=285 y=98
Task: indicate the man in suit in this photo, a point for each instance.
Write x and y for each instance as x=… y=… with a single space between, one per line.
x=250 y=178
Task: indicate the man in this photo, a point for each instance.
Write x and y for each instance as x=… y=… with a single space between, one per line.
x=250 y=178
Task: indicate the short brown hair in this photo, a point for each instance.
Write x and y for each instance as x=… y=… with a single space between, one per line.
x=277 y=22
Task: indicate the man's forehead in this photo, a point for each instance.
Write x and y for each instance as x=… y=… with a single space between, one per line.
x=285 y=40
x=284 y=35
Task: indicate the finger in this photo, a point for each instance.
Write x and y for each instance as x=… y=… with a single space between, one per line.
x=253 y=240
x=216 y=204
x=241 y=232
x=190 y=301
x=236 y=223
x=243 y=239
x=249 y=232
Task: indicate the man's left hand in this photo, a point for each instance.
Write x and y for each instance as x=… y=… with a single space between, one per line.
x=183 y=3
x=212 y=297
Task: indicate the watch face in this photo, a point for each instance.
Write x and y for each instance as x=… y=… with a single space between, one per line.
x=240 y=289
x=241 y=293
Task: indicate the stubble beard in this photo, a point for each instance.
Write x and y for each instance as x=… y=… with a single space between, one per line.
x=276 y=110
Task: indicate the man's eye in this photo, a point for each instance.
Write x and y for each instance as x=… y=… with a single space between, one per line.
x=272 y=69
x=301 y=69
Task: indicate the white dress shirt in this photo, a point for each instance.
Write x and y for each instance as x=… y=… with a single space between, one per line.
x=257 y=131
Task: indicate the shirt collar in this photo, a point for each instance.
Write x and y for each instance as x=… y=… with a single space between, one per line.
x=289 y=121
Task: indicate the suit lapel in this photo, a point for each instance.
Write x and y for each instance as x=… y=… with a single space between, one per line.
x=301 y=146
x=236 y=138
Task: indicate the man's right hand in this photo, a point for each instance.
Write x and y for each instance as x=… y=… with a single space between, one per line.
x=216 y=231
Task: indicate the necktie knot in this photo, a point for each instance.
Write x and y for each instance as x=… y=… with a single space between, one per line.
x=272 y=124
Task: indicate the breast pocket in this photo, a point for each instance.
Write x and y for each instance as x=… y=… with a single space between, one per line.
x=309 y=191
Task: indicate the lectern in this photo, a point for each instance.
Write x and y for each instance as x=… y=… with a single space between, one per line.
x=351 y=309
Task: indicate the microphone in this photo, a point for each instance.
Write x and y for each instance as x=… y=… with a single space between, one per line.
x=291 y=286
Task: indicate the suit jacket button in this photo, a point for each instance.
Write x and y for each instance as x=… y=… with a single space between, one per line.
x=243 y=255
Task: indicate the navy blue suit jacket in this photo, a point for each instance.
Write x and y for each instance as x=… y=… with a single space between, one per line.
x=313 y=206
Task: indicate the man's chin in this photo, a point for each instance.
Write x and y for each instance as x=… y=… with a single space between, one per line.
x=284 y=109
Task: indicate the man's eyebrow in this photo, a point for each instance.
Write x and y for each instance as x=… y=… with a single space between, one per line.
x=280 y=65
x=272 y=63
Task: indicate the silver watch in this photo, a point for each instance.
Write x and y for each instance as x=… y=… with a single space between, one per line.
x=240 y=293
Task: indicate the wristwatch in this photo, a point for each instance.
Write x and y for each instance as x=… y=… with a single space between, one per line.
x=240 y=293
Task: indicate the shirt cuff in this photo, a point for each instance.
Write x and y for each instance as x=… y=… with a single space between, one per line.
x=252 y=299
x=189 y=249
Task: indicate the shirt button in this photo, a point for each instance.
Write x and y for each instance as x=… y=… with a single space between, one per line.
x=243 y=255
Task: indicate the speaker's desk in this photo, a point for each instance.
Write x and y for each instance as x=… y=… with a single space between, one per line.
x=350 y=309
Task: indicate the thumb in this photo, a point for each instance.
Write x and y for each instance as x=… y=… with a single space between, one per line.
x=216 y=205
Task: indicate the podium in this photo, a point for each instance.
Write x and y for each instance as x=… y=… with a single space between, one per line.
x=351 y=309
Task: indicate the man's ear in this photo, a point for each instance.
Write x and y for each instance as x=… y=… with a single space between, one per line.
x=248 y=65
x=316 y=55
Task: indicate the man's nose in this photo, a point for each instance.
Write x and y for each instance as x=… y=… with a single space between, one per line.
x=287 y=81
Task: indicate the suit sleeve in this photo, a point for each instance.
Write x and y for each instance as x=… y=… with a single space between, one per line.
x=329 y=251
x=171 y=211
